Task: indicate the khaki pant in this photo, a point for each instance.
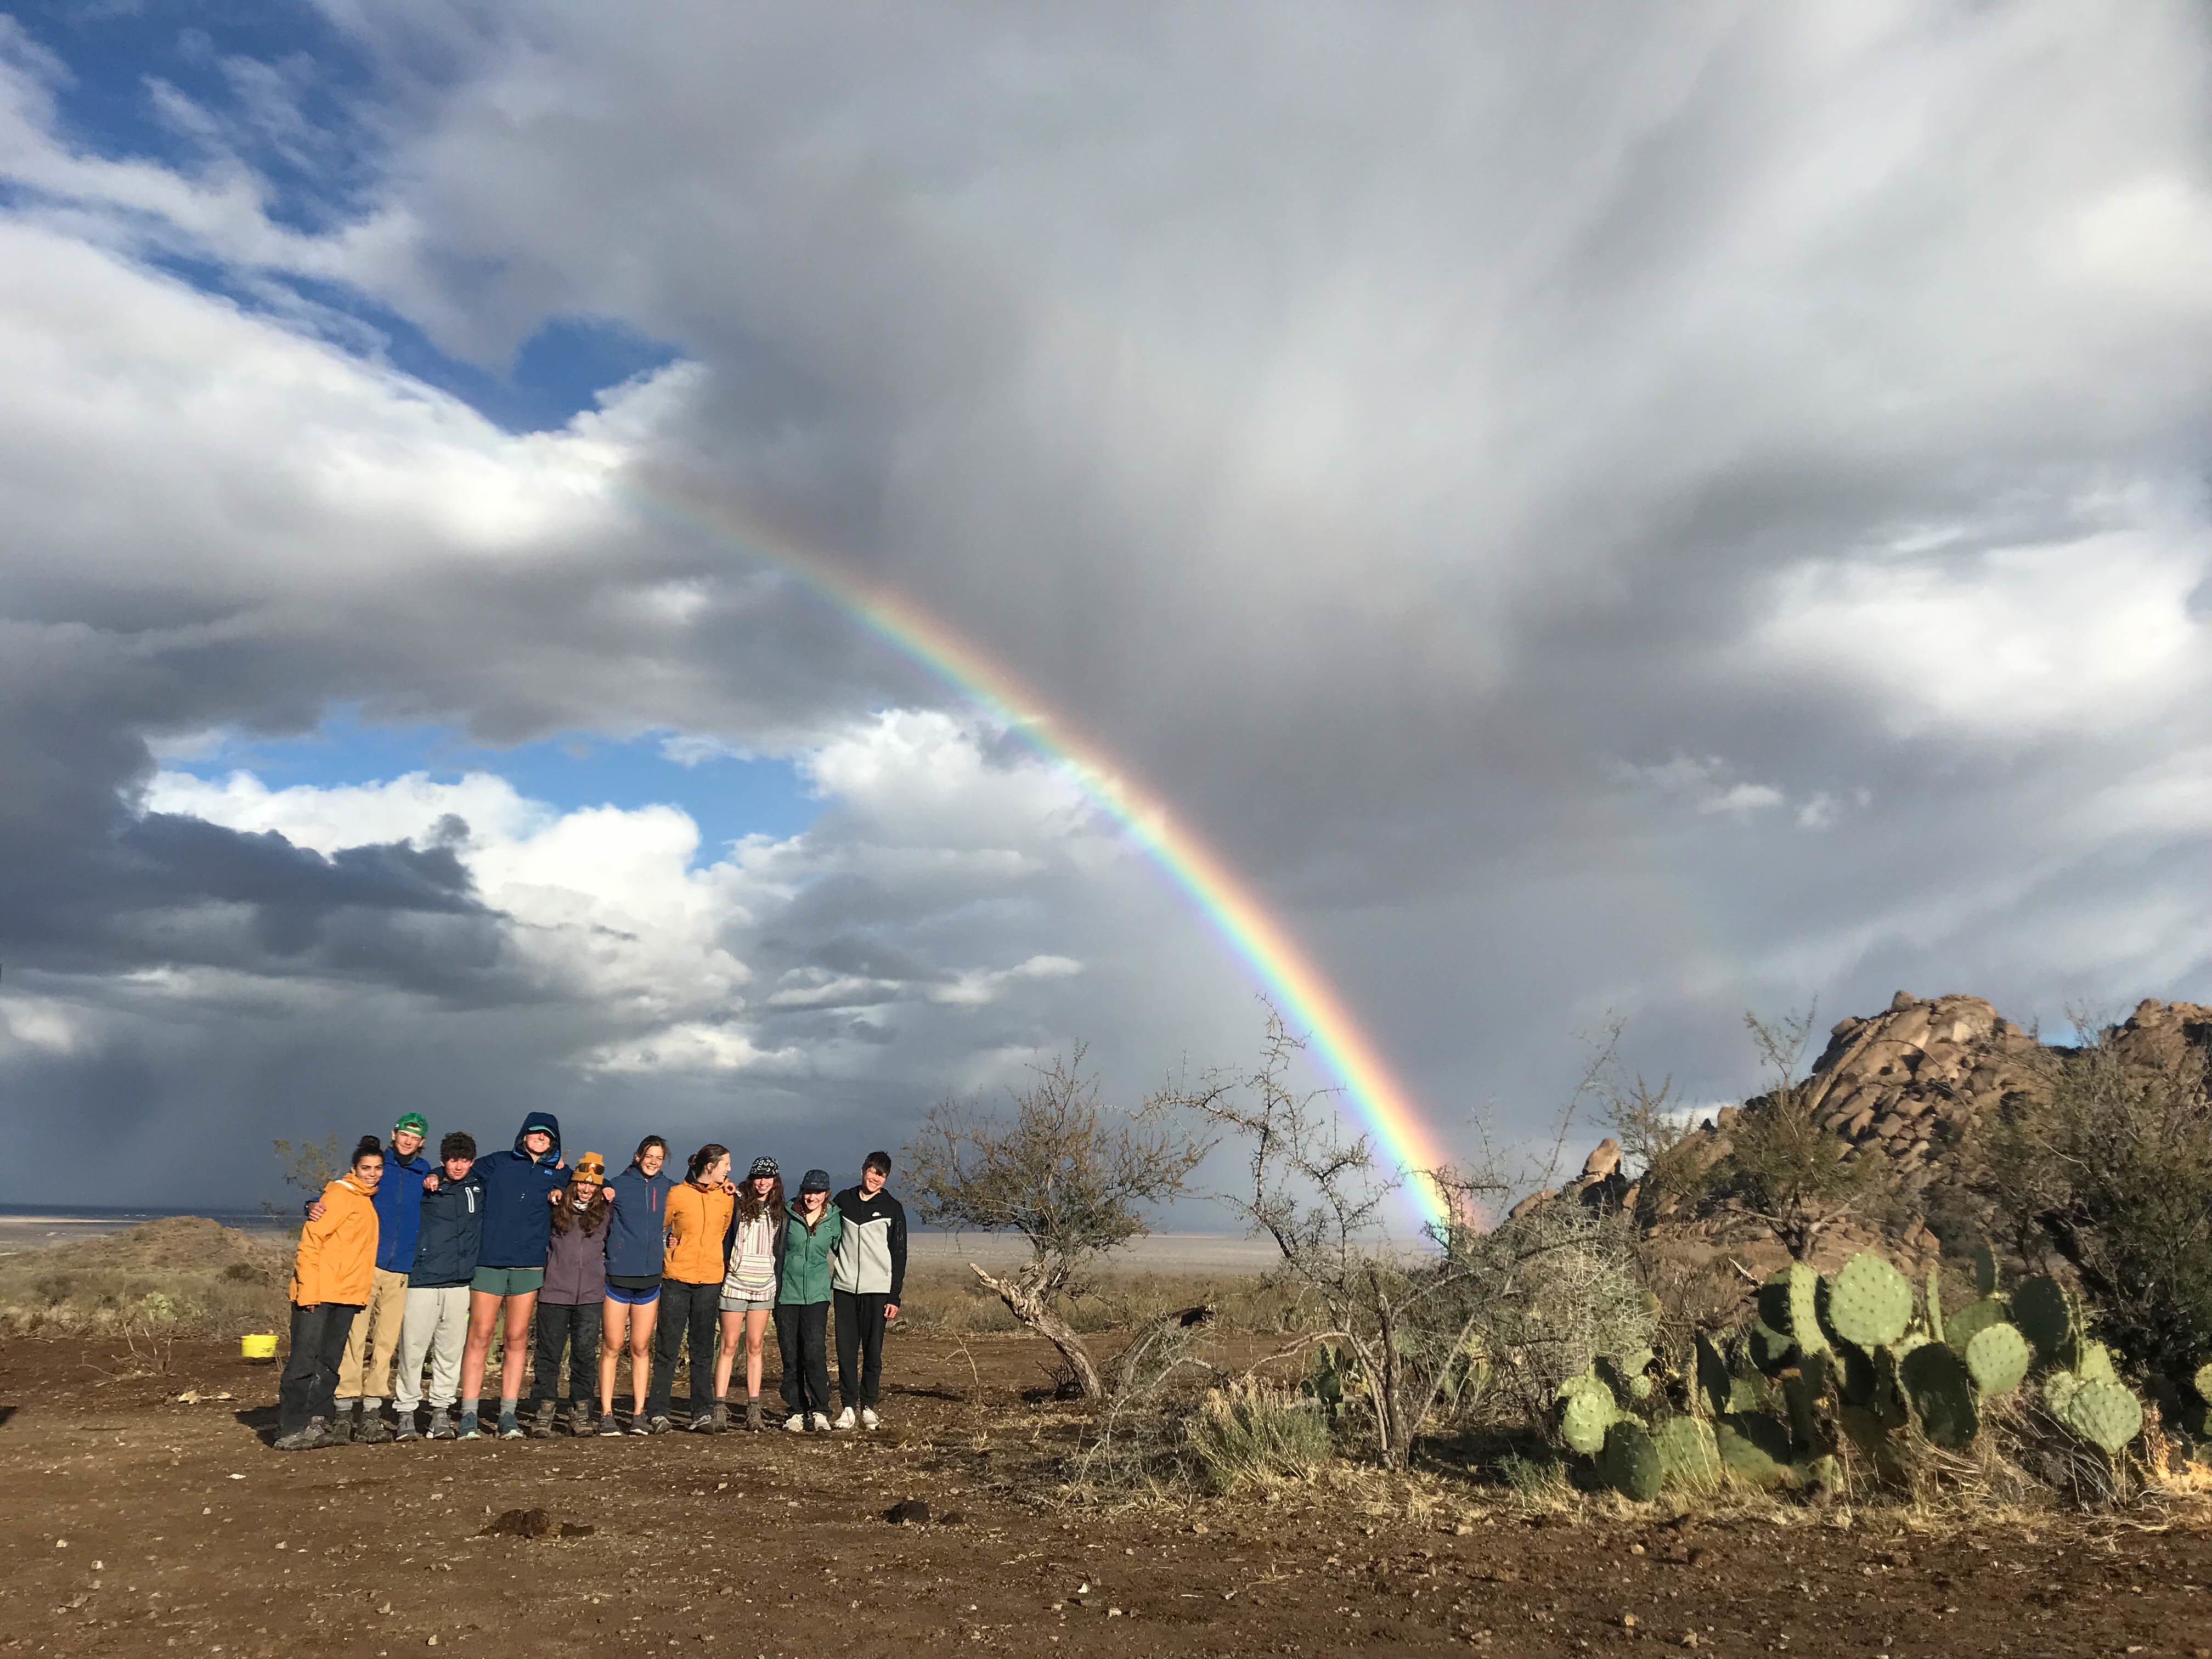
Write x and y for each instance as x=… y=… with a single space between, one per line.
x=437 y=1329
x=375 y=1329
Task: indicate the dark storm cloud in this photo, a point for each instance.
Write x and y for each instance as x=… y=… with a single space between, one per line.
x=1651 y=510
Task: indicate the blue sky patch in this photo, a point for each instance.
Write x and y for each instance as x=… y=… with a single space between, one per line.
x=728 y=797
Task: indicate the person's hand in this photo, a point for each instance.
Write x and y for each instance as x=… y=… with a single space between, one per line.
x=315 y=1209
x=607 y=1193
x=891 y=1311
x=429 y=1184
x=554 y=1197
x=306 y=1307
x=560 y=1163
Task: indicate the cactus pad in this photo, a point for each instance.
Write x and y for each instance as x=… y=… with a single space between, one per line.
x=1755 y=1449
x=2047 y=1316
x=2203 y=1383
x=2095 y=1364
x=1985 y=1270
x=1715 y=1381
x=1934 y=1299
x=1688 y=1460
x=1962 y=1325
x=1584 y=1416
x=1999 y=1358
x=1869 y=1301
x=2105 y=1414
x=1942 y=1391
x=1770 y=1350
x=1631 y=1461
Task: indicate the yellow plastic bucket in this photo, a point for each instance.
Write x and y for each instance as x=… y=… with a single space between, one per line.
x=262 y=1347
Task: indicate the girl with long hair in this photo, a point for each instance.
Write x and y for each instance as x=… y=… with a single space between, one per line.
x=568 y=1307
x=332 y=1273
x=749 y=1285
x=636 y=1242
x=699 y=1213
x=811 y=1229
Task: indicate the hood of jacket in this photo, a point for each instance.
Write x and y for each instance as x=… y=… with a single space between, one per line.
x=546 y=1121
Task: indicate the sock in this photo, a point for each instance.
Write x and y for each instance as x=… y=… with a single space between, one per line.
x=371 y=1407
x=342 y=1406
x=468 y=1408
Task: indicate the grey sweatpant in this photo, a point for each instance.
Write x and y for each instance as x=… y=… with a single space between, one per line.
x=436 y=1326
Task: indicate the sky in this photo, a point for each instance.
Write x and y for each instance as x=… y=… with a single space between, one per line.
x=1615 y=512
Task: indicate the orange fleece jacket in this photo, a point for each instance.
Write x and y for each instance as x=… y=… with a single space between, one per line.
x=337 y=1260
x=698 y=1222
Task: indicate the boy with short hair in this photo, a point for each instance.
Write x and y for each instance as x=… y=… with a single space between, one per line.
x=437 y=1323
x=867 y=1270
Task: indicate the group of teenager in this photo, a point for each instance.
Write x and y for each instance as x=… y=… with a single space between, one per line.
x=405 y=1265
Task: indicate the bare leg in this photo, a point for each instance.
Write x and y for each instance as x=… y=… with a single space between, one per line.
x=727 y=1352
x=756 y=1330
x=642 y=1318
x=483 y=1314
x=613 y=1322
x=517 y=1358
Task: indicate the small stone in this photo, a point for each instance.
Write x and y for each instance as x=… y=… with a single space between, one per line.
x=1628 y=1621
x=1689 y=1638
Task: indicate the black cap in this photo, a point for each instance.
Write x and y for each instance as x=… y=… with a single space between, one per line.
x=814 y=1181
x=762 y=1166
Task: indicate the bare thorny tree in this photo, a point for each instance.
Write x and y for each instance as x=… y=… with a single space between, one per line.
x=1071 y=1177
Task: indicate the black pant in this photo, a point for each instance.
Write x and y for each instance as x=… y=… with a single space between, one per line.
x=576 y=1329
x=802 y=1344
x=310 y=1382
x=859 y=1346
x=697 y=1309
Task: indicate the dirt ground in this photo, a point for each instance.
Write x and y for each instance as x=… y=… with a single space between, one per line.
x=132 y=1522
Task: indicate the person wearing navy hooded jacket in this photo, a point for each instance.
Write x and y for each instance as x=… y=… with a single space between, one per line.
x=519 y=1189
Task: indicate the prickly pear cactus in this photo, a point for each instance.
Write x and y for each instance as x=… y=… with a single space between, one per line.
x=1790 y=1303
x=1985 y=1270
x=1755 y=1449
x=1584 y=1416
x=2104 y=1413
x=1869 y=1301
x=1934 y=1299
x=1962 y=1325
x=1770 y=1350
x=2095 y=1364
x=1998 y=1357
x=1688 y=1459
x=2048 y=1316
x=2203 y=1383
x=1944 y=1394
x=1631 y=1461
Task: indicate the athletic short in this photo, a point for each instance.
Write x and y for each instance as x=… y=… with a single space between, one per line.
x=738 y=1301
x=509 y=1281
x=630 y=1298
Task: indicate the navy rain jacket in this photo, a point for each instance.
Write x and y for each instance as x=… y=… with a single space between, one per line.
x=517 y=1214
x=400 y=1209
x=451 y=1230
x=636 y=1247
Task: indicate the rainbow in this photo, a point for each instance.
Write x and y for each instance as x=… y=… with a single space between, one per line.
x=1308 y=1001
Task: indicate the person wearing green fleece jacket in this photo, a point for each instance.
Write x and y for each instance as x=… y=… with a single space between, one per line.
x=802 y=1301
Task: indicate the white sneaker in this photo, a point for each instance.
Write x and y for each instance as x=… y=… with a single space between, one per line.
x=821 y=1422
x=869 y=1420
x=844 y=1419
x=796 y=1423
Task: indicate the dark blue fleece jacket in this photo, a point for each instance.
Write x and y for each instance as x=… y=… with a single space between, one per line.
x=451 y=1234
x=400 y=1209
x=634 y=1245
x=518 y=1215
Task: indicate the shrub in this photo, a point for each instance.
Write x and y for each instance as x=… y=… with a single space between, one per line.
x=1252 y=1433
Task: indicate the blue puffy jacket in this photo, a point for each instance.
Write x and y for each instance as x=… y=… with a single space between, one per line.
x=400 y=1210
x=451 y=1231
x=518 y=1211
x=634 y=1243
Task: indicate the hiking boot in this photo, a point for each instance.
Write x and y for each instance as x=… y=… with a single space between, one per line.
x=314 y=1436
x=753 y=1415
x=339 y=1428
x=844 y=1419
x=796 y=1423
x=405 y=1429
x=822 y=1423
x=374 y=1430
x=658 y=1424
x=580 y=1419
x=869 y=1420
x=542 y=1428
x=442 y=1426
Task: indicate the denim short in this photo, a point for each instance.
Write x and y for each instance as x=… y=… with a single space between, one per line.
x=736 y=1302
x=633 y=1298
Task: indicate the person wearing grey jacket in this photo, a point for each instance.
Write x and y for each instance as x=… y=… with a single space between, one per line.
x=868 y=1271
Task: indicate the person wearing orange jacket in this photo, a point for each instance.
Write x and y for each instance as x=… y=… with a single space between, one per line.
x=332 y=1274
x=699 y=1211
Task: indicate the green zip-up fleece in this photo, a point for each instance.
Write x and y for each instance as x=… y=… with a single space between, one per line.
x=802 y=1257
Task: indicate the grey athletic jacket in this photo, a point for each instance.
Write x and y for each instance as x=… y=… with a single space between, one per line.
x=871 y=1257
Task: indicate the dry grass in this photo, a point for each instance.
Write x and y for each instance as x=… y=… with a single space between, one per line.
x=185 y=1275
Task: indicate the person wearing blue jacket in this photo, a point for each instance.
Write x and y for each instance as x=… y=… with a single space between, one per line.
x=437 y=1323
x=374 y=1342
x=520 y=1190
x=637 y=1251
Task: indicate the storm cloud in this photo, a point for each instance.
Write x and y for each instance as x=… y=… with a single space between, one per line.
x=1632 y=511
